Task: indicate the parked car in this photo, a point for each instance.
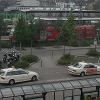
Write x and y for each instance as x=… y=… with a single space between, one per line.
x=13 y=75
x=83 y=68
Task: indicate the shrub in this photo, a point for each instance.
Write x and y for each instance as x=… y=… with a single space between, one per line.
x=30 y=58
x=93 y=52
x=5 y=44
x=21 y=64
x=66 y=59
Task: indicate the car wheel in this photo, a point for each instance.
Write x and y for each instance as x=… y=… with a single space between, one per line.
x=34 y=78
x=82 y=74
x=11 y=82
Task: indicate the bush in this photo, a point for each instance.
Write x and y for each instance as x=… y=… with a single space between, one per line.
x=66 y=59
x=30 y=58
x=5 y=44
x=21 y=64
x=93 y=52
x=74 y=43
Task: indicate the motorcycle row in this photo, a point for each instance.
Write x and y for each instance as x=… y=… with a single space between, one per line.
x=10 y=58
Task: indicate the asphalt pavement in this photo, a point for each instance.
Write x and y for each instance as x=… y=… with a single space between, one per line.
x=47 y=66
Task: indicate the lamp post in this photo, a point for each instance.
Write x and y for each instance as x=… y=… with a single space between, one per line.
x=95 y=43
x=98 y=35
x=80 y=9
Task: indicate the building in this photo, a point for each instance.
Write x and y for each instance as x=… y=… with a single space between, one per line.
x=27 y=3
x=85 y=32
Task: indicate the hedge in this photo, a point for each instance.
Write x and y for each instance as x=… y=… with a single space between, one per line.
x=30 y=58
x=66 y=59
x=21 y=64
x=93 y=52
x=25 y=61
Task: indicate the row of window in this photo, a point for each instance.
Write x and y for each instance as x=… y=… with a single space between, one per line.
x=19 y=72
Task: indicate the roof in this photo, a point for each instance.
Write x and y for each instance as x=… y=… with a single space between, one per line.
x=85 y=63
x=8 y=69
x=54 y=86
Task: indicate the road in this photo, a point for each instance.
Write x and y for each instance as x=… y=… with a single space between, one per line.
x=47 y=66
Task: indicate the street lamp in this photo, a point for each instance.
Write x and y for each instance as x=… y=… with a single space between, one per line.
x=95 y=43
x=80 y=11
x=98 y=35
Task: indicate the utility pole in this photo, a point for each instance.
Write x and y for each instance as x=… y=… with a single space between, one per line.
x=80 y=12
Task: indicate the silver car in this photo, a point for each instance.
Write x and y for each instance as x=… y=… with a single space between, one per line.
x=13 y=75
x=83 y=68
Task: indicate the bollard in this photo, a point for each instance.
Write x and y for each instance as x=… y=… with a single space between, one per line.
x=41 y=63
x=64 y=50
x=52 y=52
x=99 y=60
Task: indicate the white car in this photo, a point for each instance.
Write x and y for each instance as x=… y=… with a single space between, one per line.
x=83 y=68
x=13 y=75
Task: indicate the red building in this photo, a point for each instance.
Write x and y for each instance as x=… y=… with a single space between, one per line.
x=85 y=32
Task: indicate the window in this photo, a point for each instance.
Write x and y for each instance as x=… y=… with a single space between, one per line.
x=90 y=66
x=37 y=99
x=87 y=66
x=21 y=72
x=68 y=98
x=78 y=65
x=9 y=74
x=76 y=97
x=12 y=73
x=49 y=33
x=2 y=73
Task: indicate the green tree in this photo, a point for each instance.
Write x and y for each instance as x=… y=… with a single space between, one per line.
x=40 y=26
x=21 y=31
x=32 y=31
x=26 y=32
x=58 y=24
x=3 y=28
x=67 y=34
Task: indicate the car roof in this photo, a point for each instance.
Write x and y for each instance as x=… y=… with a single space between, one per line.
x=8 y=69
x=86 y=63
x=83 y=63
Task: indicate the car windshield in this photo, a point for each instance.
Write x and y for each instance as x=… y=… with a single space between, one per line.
x=2 y=73
x=78 y=65
x=26 y=71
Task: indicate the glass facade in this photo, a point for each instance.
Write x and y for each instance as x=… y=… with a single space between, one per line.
x=68 y=98
x=77 y=98
x=83 y=89
x=37 y=99
x=91 y=96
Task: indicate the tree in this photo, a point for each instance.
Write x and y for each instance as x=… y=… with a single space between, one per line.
x=21 y=31
x=26 y=32
x=3 y=28
x=67 y=34
x=58 y=24
x=40 y=25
